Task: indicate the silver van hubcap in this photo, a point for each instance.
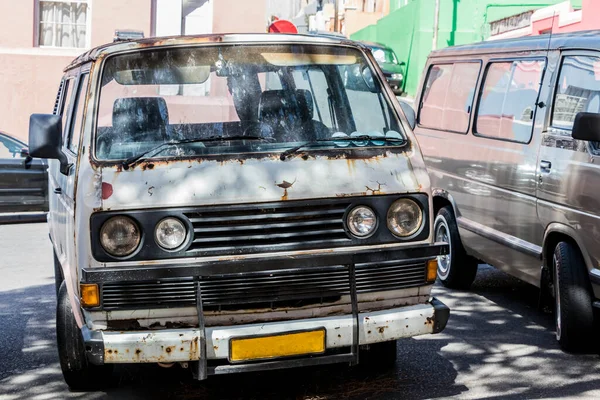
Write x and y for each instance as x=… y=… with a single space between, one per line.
x=442 y=235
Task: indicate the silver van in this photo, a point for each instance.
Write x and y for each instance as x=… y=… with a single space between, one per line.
x=234 y=203
x=510 y=132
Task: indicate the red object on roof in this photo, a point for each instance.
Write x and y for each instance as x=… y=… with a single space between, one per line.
x=282 y=26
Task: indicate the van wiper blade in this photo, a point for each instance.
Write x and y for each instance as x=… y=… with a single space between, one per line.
x=283 y=156
x=131 y=161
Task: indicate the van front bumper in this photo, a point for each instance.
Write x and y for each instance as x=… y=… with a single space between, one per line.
x=181 y=345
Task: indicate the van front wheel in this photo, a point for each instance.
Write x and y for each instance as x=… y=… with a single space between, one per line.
x=574 y=313
x=457 y=269
x=78 y=373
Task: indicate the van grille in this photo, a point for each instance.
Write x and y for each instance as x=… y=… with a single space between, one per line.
x=269 y=228
x=269 y=289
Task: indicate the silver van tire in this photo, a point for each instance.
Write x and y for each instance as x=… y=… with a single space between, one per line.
x=457 y=269
x=78 y=373
x=58 y=275
x=574 y=313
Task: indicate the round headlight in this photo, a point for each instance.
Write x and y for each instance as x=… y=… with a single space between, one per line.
x=120 y=236
x=361 y=221
x=170 y=233
x=404 y=218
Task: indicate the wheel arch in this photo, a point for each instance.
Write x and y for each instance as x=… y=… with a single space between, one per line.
x=557 y=232
x=441 y=198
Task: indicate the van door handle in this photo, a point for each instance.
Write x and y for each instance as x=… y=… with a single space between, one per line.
x=545 y=166
x=57 y=190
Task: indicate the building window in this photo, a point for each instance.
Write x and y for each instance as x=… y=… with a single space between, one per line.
x=63 y=23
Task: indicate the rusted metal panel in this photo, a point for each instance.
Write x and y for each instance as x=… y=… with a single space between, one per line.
x=110 y=48
x=190 y=183
x=374 y=327
x=163 y=346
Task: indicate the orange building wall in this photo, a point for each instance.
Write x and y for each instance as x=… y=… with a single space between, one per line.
x=16 y=23
x=29 y=75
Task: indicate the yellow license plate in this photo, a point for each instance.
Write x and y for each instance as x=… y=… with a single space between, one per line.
x=275 y=346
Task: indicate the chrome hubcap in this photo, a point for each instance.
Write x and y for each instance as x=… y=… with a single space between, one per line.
x=442 y=235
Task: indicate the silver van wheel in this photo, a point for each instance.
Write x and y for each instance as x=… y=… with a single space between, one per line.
x=456 y=269
x=573 y=299
x=442 y=234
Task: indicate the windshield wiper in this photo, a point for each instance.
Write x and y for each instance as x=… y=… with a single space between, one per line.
x=131 y=161
x=283 y=156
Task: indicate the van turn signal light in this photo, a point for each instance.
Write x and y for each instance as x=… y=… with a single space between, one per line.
x=432 y=266
x=90 y=295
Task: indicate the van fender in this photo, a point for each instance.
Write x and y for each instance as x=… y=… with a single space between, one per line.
x=557 y=227
x=438 y=192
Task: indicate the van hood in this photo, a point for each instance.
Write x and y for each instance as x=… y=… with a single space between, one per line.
x=200 y=182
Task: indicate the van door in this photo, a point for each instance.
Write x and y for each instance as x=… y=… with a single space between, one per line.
x=569 y=170
x=502 y=203
x=56 y=180
x=72 y=149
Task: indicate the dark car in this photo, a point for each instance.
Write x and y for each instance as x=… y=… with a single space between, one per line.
x=389 y=64
x=23 y=180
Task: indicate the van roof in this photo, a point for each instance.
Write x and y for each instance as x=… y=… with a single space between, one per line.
x=168 y=41
x=583 y=40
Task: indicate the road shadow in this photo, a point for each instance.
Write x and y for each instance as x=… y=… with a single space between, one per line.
x=29 y=368
x=505 y=345
x=497 y=344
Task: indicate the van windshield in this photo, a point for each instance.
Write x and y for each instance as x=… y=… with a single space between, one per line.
x=237 y=99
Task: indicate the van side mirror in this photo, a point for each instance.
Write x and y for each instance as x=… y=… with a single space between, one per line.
x=586 y=127
x=402 y=63
x=45 y=139
x=409 y=113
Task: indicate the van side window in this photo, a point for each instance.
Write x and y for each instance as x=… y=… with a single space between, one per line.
x=66 y=105
x=507 y=102
x=448 y=96
x=73 y=142
x=578 y=90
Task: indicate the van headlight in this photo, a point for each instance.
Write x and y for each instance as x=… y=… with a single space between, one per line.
x=120 y=236
x=361 y=221
x=404 y=217
x=170 y=233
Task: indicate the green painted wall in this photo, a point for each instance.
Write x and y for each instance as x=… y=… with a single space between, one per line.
x=409 y=28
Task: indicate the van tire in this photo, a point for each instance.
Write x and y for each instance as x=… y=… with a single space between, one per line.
x=574 y=313
x=380 y=356
x=58 y=274
x=457 y=270
x=78 y=373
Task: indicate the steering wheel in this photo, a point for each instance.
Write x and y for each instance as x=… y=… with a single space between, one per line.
x=260 y=129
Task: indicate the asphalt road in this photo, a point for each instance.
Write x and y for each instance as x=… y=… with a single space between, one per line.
x=497 y=345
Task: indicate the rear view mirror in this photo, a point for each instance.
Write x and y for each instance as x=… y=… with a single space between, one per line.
x=368 y=78
x=409 y=113
x=45 y=139
x=586 y=127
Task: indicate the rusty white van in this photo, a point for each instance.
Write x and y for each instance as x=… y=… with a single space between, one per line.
x=234 y=203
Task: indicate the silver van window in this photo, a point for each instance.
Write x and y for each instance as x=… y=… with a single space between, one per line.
x=578 y=90
x=448 y=96
x=78 y=110
x=264 y=99
x=507 y=102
